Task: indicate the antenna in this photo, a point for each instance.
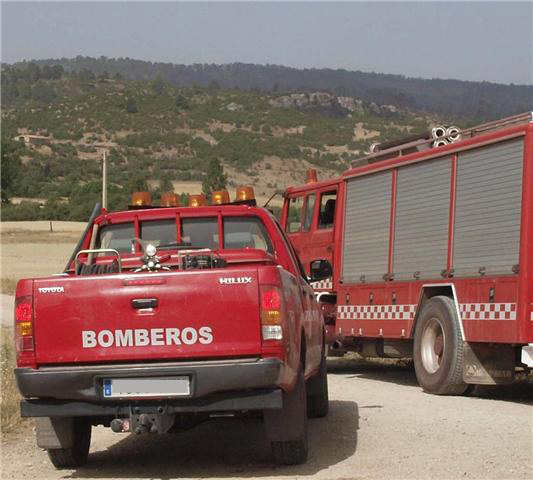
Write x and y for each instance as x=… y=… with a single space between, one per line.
x=104 y=179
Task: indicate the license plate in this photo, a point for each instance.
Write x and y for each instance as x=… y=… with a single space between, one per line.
x=147 y=387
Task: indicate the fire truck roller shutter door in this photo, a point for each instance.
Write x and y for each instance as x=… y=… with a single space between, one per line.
x=366 y=228
x=422 y=217
x=488 y=209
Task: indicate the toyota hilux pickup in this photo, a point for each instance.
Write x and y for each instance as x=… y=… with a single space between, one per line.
x=165 y=317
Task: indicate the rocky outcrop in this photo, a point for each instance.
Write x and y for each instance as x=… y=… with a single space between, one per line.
x=327 y=101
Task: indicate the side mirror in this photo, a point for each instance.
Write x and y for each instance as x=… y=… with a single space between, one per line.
x=320 y=270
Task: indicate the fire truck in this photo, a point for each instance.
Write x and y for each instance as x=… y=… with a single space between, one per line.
x=427 y=251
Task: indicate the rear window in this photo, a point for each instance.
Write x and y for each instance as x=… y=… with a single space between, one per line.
x=200 y=232
x=118 y=237
x=246 y=232
x=158 y=232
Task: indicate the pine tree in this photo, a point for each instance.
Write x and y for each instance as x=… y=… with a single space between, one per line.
x=215 y=178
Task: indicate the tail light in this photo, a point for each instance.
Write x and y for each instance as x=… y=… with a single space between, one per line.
x=272 y=312
x=24 y=339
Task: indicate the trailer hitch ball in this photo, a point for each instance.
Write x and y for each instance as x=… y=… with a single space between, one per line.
x=117 y=425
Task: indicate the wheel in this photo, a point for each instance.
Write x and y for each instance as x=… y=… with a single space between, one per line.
x=287 y=428
x=438 y=348
x=317 y=392
x=77 y=454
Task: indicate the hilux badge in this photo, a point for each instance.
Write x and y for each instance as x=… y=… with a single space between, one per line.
x=233 y=280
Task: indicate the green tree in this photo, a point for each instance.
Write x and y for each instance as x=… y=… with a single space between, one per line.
x=165 y=185
x=131 y=106
x=215 y=178
x=10 y=168
x=158 y=86
x=181 y=102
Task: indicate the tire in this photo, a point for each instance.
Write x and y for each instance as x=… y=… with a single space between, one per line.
x=76 y=455
x=438 y=348
x=317 y=392
x=287 y=428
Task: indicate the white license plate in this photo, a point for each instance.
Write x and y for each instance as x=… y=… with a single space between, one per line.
x=147 y=387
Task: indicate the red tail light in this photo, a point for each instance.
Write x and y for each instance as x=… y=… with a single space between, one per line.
x=24 y=339
x=272 y=312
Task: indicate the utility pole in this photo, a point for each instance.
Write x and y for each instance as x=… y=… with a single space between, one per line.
x=104 y=180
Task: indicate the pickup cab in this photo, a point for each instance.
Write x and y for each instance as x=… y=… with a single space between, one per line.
x=165 y=317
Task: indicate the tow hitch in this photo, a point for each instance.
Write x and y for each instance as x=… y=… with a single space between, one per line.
x=144 y=423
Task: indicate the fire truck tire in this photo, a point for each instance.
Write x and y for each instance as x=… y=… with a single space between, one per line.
x=77 y=454
x=438 y=348
x=288 y=427
x=317 y=392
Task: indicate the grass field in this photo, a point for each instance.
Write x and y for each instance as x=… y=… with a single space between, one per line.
x=9 y=416
x=30 y=249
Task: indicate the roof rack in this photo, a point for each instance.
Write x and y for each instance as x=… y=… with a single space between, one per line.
x=426 y=141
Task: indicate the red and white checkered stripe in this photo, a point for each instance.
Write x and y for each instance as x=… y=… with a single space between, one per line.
x=326 y=284
x=468 y=311
x=488 y=311
x=376 y=312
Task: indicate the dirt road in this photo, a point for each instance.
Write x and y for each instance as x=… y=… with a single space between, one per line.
x=381 y=425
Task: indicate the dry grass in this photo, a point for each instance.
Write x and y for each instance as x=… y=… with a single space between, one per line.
x=8 y=285
x=10 y=396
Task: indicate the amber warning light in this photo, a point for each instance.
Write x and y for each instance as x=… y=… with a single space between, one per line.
x=170 y=199
x=245 y=193
x=141 y=199
x=197 y=200
x=311 y=176
x=219 y=197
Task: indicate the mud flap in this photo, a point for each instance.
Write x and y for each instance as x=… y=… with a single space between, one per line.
x=54 y=432
x=488 y=364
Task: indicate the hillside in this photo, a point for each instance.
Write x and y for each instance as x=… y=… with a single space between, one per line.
x=156 y=132
x=476 y=101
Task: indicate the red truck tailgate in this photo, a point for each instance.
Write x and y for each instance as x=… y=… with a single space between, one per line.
x=133 y=317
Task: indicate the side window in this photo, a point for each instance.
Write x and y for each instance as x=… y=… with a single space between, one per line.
x=294 y=219
x=246 y=232
x=327 y=209
x=309 y=210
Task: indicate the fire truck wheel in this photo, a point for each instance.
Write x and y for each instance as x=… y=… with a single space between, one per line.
x=77 y=454
x=317 y=392
x=438 y=348
x=287 y=428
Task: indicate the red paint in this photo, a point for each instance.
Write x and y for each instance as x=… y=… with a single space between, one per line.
x=451 y=223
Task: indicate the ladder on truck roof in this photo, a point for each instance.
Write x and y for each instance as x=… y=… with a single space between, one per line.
x=434 y=138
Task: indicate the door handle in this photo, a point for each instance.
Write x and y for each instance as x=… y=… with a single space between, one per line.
x=144 y=303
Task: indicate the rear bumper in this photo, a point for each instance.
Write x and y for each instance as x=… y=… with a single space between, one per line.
x=85 y=383
x=222 y=402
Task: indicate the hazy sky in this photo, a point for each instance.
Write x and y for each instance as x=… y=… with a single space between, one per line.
x=490 y=41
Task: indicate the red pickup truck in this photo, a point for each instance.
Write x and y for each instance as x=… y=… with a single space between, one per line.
x=165 y=317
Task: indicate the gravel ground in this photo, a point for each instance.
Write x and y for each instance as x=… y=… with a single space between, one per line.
x=381 y=425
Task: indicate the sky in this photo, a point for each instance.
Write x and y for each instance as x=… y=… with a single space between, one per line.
x=482 y=41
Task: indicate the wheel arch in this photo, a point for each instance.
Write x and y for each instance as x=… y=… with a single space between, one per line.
x=427 y=292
